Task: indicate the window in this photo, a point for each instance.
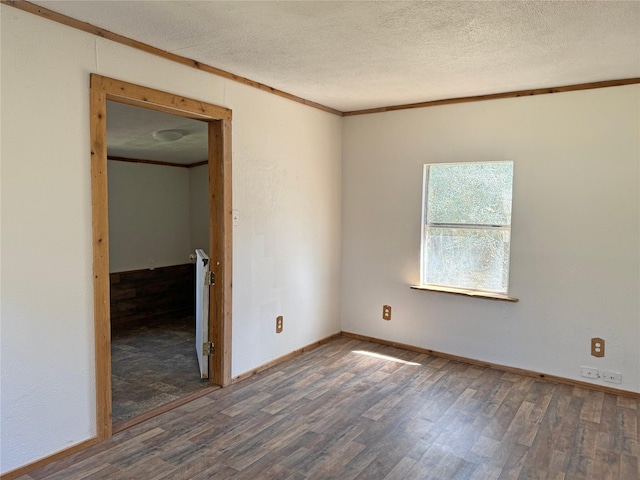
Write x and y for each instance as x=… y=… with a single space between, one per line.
x=466 y=226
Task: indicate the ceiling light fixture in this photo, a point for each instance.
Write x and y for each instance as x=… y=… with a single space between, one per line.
x=168 y=135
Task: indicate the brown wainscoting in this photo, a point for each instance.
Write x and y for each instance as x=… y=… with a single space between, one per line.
x=144 y=294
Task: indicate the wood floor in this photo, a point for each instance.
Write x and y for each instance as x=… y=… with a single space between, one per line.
x=339 y=412
x=153 y=363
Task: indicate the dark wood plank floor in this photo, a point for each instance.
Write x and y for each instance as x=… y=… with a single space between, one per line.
x=153 y=363
x=339 y=412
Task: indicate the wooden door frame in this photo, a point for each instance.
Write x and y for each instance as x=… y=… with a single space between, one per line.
x=220 y=226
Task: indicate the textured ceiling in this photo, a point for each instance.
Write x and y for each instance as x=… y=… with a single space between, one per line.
x=130 y=135
x=354 y=55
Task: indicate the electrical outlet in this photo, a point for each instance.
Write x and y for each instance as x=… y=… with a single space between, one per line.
x=386 y=312
x=611 y=377
x=279 y=324
x=589 y=372
x=597 y=347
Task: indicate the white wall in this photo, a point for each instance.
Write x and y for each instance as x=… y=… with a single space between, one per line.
x=287 y=185
x=47 y=371
x=199 y=207
x=149 y=216
x=575 y=232
x=287 y=249
x=158 y=215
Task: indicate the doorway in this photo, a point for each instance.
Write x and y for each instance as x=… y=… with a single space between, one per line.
x=158 y=189
x=218 y=121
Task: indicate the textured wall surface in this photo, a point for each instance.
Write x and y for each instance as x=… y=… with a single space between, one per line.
x=286 y=182
x=575 y=230
x=199 y=207
x=149 y=216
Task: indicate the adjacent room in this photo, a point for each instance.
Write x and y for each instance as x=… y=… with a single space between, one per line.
x=420 y=220
x=158 y=219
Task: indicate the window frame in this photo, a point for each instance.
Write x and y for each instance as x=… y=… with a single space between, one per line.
x=426 y=225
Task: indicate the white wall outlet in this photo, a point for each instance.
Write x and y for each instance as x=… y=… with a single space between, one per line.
x=611 y=377
x=588 y=372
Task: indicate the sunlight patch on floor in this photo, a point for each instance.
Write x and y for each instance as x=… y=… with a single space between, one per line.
x=383 y=357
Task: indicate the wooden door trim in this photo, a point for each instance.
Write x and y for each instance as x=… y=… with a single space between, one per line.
x=221 y=248
x=100 y=228
x=220 y=221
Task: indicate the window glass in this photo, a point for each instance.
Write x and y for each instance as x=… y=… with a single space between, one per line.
x=474 y=259
x=467 y=225
x=470 y=193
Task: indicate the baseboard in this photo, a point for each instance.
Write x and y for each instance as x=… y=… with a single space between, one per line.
x=496 y=366
x=29 y=467
x=284 y=358
x=25 y=469
x=552 y=378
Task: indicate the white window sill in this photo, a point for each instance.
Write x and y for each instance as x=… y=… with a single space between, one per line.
x=468 y=293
